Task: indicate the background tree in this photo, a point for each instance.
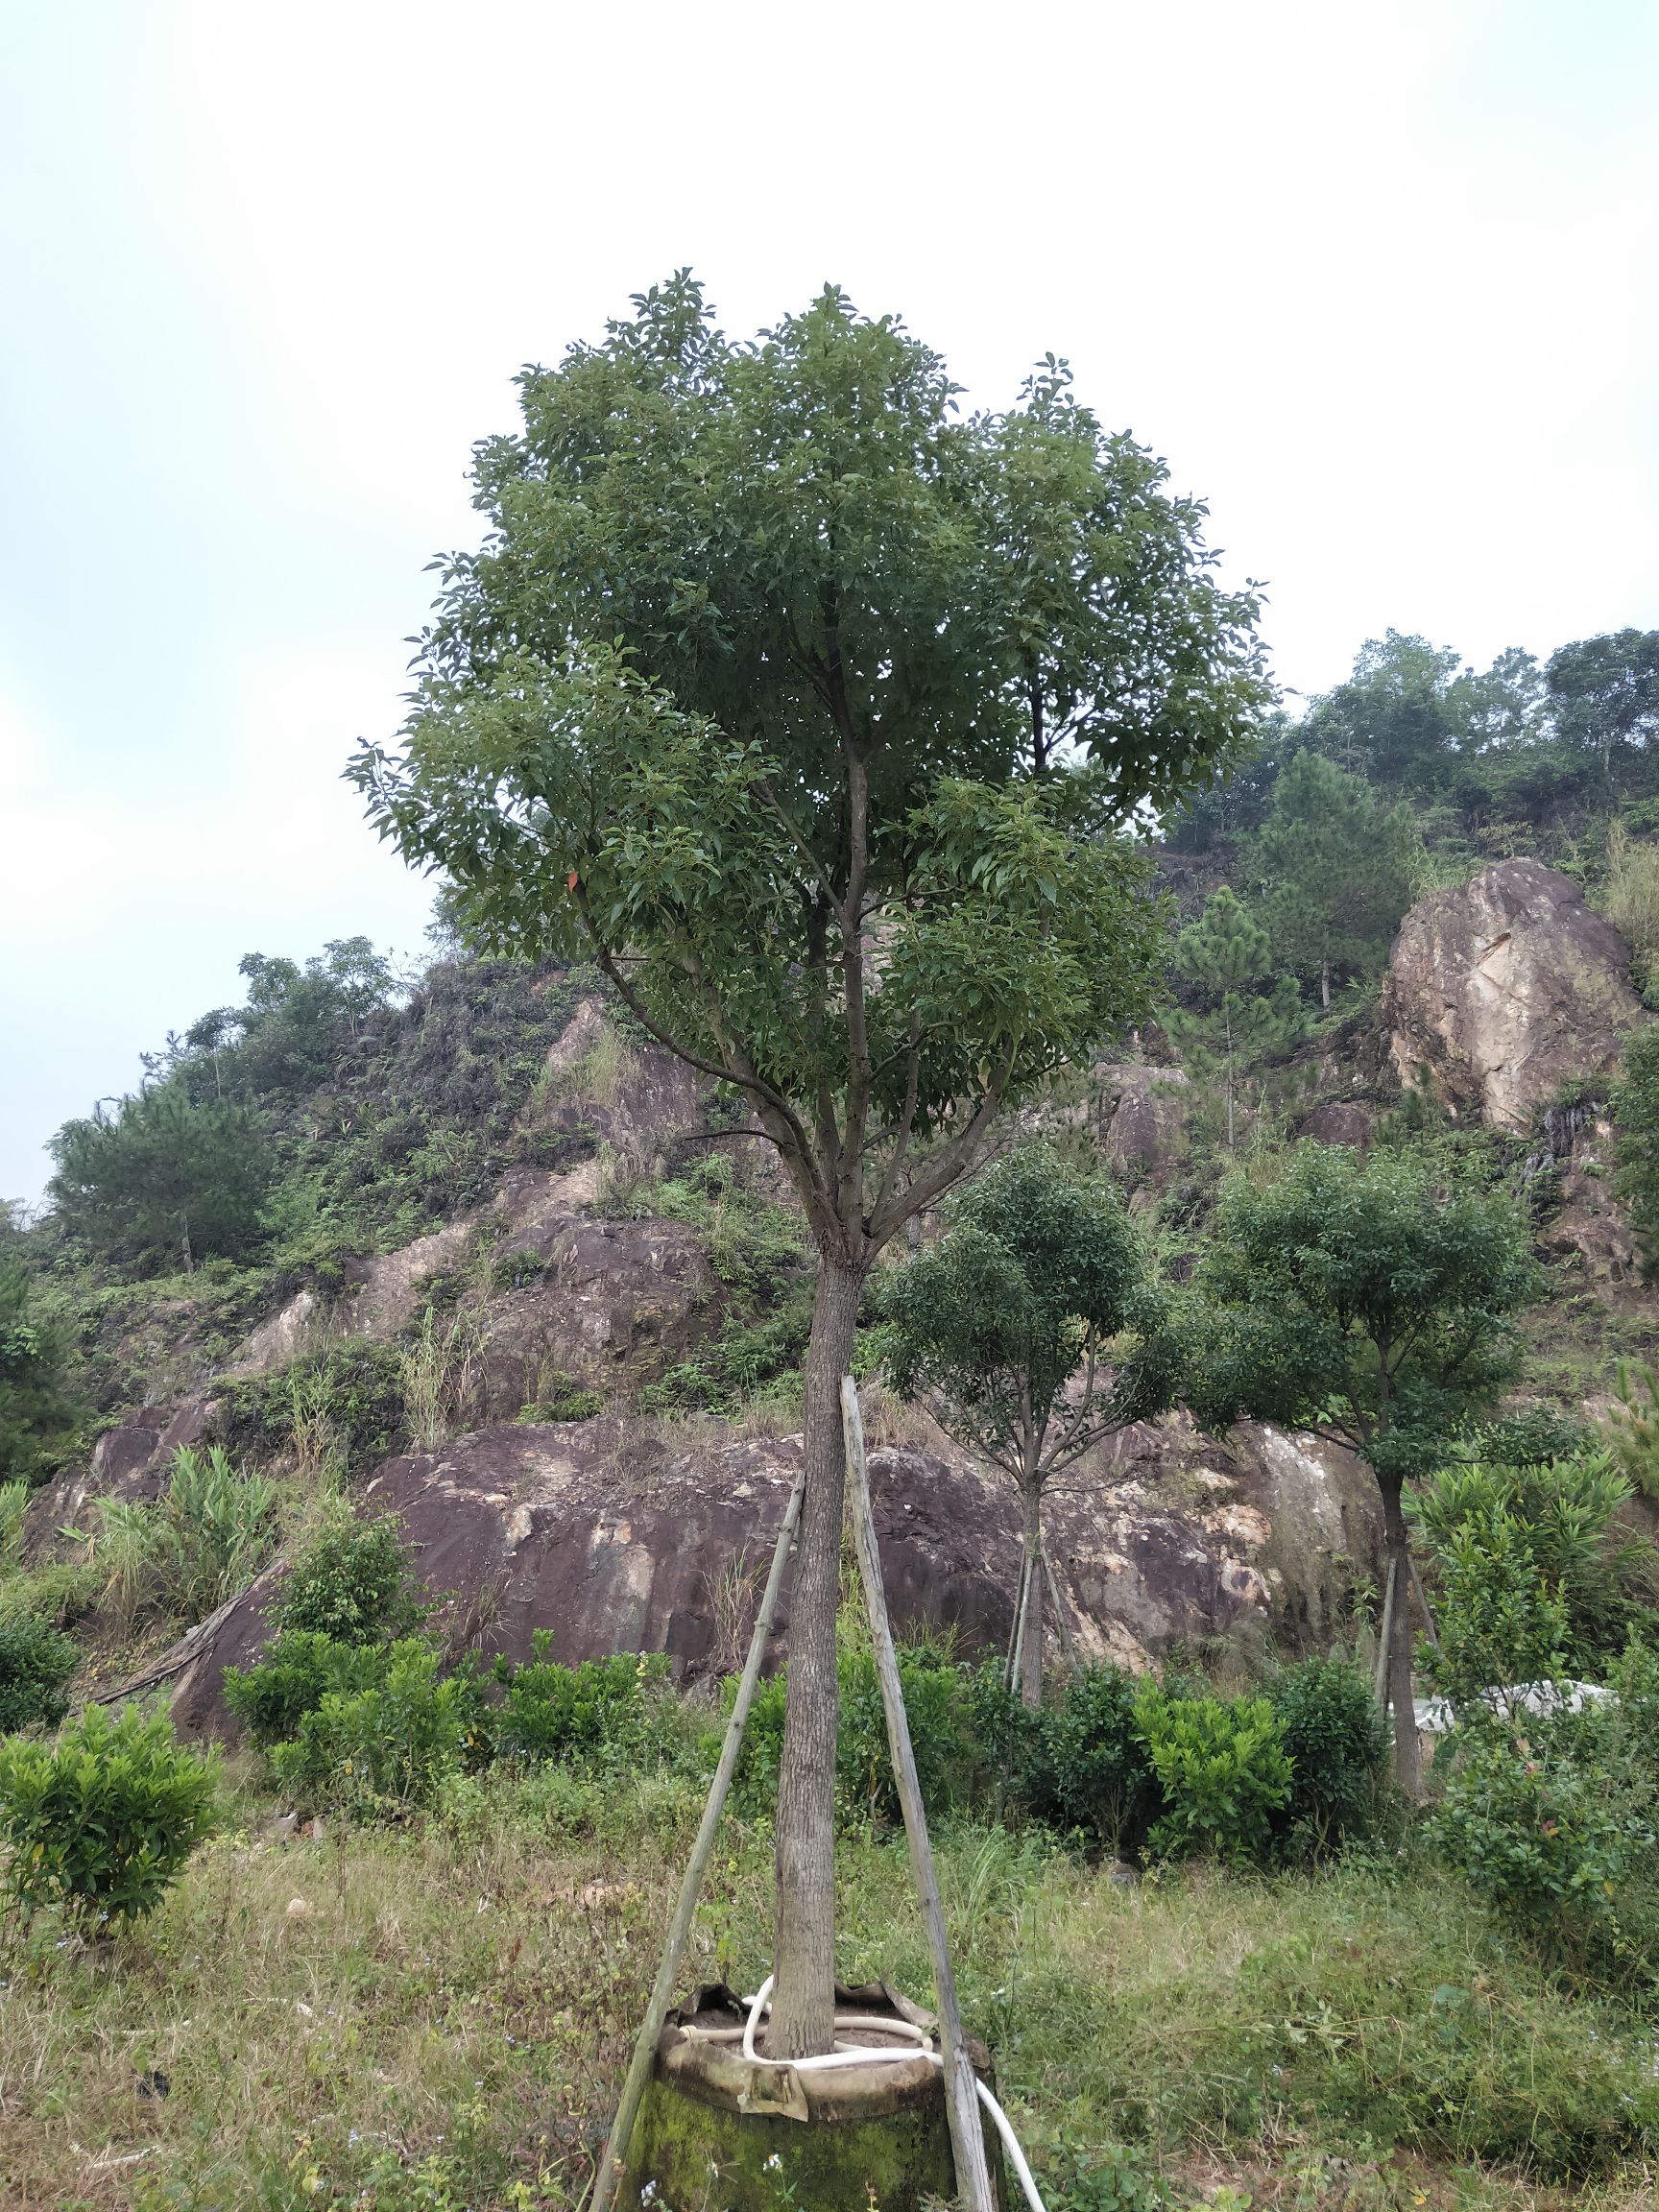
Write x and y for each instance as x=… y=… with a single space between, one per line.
x=1368 y=1305
x=36 y=1412
x=1604 y=694
x=1394 y=719
x=1005 y=1328
x=162 y=1179
x=1226 y=956
x=1335 y=870
x=805 y=705
x=289 y=1036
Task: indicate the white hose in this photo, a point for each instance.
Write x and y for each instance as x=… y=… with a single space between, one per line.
x=920 y=2044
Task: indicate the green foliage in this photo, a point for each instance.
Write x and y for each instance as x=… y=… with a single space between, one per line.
x=36 y=1412
x=102 y=1823
x=165 y=1178
x=1631 y=1432
x=1338 y=1747
x=347 y=1402
x=1534 y=1577
x=1335 y=871
x=382 y=1750
x=623 y=739
x=746 y=1360
x=1039 y=1272
x=1364 y=1301
x=1235 y=1026
x=602 y=1711
x=14 y=1504
x=203 y=1539
x=294 y=1673
x=1630 y=900
x=1636 y=1112
x=569 y=1401
x=1080 y=1764
x=1604 y=695
x=297 y=1023
x=1222 y=1773
x=352 y=1582
x=936 y=1705
x=37 y=1662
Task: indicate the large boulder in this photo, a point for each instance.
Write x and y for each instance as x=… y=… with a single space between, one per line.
x=1504 y=990
x=612 y=1535
x=1142 y=1119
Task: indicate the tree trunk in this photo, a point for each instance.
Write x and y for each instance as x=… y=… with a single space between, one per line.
x=1325 y=985
x=1028 y=1671
x=1408 y=1751
x=804 y=1940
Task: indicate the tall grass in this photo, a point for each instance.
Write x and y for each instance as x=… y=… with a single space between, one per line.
x=13 y=1503
x=203 y=1540
x=1630 y=900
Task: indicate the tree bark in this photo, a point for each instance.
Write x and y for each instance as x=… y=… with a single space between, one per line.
x=1030 y=1660
x=1325 y=985
x=1407 y=1750
x=803 y=2018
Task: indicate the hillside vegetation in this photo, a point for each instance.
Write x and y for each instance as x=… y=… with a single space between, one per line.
x=1217 y=1951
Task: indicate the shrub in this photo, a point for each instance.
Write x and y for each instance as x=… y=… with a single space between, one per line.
x=1636 y=1112
x=293 y=1676
x=35 y=1665
x=1221 y=1770
x=1078 y=1764
x=936 y=1705
x=1338 y=1745
x=566 y=1401
x=102 y=1823
x=352 y=1582
x=600 y=1710
x=14 y=1504
x=203 y=1540
x=386 y=1749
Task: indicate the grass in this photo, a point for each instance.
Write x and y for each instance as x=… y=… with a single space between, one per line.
x=422 y=2021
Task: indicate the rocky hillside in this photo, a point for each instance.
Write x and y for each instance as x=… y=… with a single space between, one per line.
x=533 y=1298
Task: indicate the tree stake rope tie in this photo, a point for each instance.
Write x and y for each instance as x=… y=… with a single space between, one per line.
x=919 y=2045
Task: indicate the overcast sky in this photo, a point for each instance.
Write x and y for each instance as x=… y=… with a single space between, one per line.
x=1378 y=279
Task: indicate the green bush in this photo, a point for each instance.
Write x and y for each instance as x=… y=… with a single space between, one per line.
x=35 y=1665
x=1222 y=1773
x=1554 y=1821
x=102 y=1823
x=1077 y=1766
x=601 y=1710
x=293 y=1676
x=936 y=1705
x=1338 y=1745
x=568 y=1401
x=352 y=1582
x=384 y=1750
x=201 y=1541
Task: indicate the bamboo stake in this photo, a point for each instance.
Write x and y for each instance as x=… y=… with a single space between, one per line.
x=1379 y=1687
x=1422 y=1596
x=961 y=2098
x=680 y=1927
x=1062 y=1626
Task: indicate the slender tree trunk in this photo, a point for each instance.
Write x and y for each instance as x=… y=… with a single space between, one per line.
x=1029 y=1670
x=1408 y=1751
x=804 y=1940
x=1325 y=985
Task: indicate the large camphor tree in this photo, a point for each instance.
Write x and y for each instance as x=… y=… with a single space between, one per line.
x=815 y=713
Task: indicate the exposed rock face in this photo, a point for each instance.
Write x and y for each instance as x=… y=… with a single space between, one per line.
x=615 y=1540
x=1501 y=991
x=593 y=1295
x=1142 y=1119
x=1340 y=1121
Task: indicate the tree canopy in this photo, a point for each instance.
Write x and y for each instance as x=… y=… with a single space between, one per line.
x=1371 y=1306
x=162 y=1179
x=1336 y=872
x=1005 y=1325
x=1226 y=958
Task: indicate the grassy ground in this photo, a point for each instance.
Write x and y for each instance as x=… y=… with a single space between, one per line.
x=424 y=2021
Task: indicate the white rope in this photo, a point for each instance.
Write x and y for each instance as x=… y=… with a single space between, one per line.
x=919 y=2045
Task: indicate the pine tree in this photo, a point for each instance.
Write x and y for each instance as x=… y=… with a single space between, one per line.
x=1335 y=868
x=1226 y=955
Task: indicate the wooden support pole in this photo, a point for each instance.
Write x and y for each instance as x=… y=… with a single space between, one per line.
x=961 y=2098
x=1380 y=1686
x=680 y=1927
x=1422 y=1596
x=1062 y=1626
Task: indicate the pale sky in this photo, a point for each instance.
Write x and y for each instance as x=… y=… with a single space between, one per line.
x=1378 y=279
